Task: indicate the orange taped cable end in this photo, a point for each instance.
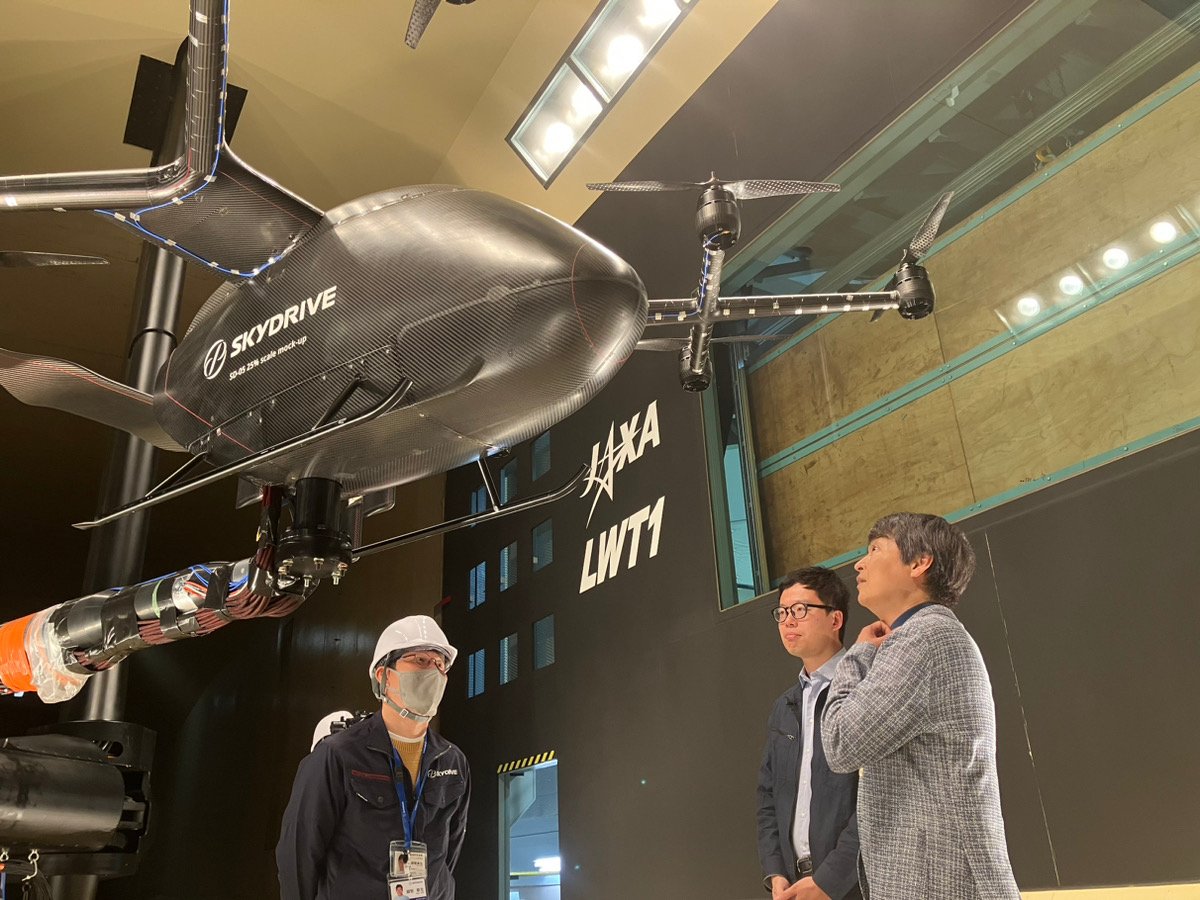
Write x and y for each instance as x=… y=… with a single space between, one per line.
x=14 y=662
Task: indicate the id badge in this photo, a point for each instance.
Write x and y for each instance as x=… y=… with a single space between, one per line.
x=408 y=888
x=418 y=860
x=407 y=869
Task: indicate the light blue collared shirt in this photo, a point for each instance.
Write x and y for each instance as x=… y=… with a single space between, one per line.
x=814 y=685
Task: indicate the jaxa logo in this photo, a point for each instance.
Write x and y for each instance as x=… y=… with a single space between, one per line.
x=214 y=359
x=635 y=436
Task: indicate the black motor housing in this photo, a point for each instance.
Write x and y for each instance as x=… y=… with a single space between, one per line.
x=718 y=219
x=317 y=544
x=693 y=381
x=915 y=291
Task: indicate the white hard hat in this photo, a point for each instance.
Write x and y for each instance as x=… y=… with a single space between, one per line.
x=411 y=633
x=325 y=726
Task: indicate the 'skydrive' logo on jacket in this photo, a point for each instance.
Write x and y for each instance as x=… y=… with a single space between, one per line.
x=438 y=773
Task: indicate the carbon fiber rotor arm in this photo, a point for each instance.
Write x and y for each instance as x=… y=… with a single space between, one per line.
x=674 y=311
x=128 y=188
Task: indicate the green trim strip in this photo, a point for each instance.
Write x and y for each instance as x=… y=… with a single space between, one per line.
x=1077 y=153
x=1146 y=268
x=1037 y=484
x=721 y=528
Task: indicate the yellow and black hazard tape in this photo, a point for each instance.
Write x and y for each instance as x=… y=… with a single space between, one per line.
x=525 y=763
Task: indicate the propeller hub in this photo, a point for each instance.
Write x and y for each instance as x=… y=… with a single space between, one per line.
x=915 y=291
x=689 y=378
x=718 y=219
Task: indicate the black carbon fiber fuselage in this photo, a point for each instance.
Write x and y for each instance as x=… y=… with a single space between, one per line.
x=505 y=319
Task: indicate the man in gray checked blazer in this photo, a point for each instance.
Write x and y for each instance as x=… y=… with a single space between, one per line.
x=911 y=706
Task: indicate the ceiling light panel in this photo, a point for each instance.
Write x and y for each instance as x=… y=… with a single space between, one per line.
x=601 y=63
x=563 y=113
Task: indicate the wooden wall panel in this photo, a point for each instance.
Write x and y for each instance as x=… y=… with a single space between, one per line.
x=1115 y=374
x=1118 y=187
x=790 y=398
x=826 y=503
x=843 y=367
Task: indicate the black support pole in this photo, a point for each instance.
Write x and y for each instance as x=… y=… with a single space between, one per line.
x=117 y=551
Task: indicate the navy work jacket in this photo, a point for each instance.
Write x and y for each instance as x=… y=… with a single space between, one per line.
x=344 y=812
x=833 y=825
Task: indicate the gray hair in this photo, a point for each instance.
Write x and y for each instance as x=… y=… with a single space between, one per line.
x=921 y=534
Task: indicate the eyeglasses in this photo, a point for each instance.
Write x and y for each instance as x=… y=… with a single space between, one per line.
x=425 y=661
x=797 y=611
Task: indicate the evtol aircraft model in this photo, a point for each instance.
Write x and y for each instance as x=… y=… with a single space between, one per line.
x=351 y=350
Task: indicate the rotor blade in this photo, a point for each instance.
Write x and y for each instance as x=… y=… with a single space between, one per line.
x=422 y=13
x=925 y=235
x=878 y=314
x=647 y=185
x=58 y=384
x=16 y=259
x=665 y=345
x=753 y=190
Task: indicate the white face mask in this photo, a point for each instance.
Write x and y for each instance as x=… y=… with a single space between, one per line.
x=419 y=694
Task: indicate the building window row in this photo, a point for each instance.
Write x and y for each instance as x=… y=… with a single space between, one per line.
x=508 y=659
x=477 y=589
x=476 y=669
x=543 y=655
x=542 y=541
x=543 y=544
x=510 y=565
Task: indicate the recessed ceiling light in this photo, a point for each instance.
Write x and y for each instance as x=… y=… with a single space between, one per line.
x=624 y=54
x=584 y=103
x=1115 y=258
x=558 y=138
x=658 y=12
x=1029 y=306
x=1163 y=232
x=1070 y=285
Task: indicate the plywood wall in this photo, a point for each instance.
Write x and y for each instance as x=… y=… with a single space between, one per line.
x=1124 y=369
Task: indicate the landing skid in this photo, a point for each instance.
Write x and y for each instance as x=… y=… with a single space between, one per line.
x=496 y=512
x=321 y=431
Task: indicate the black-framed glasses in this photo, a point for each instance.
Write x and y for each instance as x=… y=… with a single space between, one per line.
x=797 y=611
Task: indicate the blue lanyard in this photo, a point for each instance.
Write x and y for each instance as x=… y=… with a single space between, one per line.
x=410 y=820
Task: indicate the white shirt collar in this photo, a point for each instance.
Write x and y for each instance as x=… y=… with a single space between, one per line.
x=823 y=675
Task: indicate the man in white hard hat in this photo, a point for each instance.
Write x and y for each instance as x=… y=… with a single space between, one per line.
x=380 y=809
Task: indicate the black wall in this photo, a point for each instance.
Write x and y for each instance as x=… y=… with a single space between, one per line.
x=1082 y=606
x=625 y=700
